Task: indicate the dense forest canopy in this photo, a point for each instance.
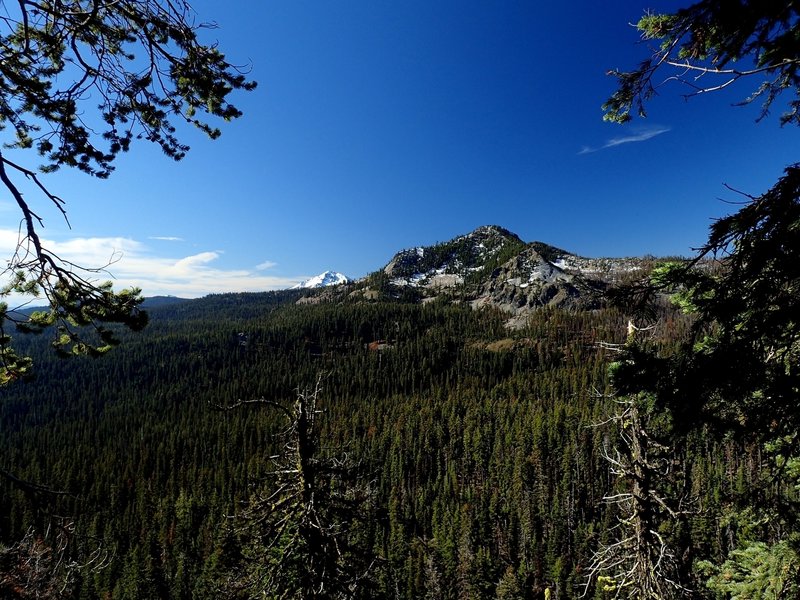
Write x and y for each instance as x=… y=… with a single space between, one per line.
x=643 y=448
x=477 y=443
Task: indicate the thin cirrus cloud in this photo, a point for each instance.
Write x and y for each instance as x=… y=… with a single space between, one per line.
x=641 y=135
x=131 y=263
x=267 y=264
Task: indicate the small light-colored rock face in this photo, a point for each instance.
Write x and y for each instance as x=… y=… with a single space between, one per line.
x=403 y=261
x=367 y=294
x=444 y=280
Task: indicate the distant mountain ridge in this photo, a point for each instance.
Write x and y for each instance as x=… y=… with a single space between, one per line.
x=491 y=266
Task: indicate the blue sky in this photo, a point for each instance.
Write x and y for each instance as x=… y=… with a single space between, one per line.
x=380 y=126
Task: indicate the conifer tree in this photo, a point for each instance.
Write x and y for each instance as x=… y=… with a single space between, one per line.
x=300 y=534
x=740 y=371
x=79 y=82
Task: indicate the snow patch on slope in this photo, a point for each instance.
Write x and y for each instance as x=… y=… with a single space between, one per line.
x=325 y=279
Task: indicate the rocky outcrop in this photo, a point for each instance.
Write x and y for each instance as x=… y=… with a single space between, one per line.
x=529 y=281
x=448 y=264
x=489 y=267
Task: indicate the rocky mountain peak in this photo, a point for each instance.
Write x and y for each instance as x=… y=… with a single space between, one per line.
x=449 y=263
x=490 y=267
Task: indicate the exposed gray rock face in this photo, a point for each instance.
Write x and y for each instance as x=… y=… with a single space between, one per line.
x=529 y=281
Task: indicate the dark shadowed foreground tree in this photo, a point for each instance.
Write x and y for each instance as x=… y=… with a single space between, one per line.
x=639 y=558
x=40 y=566
x=740 y=372
x=79 y=81
x=638 y=563
x=303 y=534
x=32 y=568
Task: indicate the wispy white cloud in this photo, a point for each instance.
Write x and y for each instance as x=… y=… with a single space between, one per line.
x=191 y=263
x=131 y=263
x=641 y=135
x=267 y=264
x=166 y=238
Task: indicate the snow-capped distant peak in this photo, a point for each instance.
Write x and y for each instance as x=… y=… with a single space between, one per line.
x=323 y=280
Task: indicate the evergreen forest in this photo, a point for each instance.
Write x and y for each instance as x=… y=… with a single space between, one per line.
x=628 y=437
x=478 y=451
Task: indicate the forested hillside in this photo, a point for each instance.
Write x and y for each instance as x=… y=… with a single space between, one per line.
x=481 y=418
x=482 y=447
